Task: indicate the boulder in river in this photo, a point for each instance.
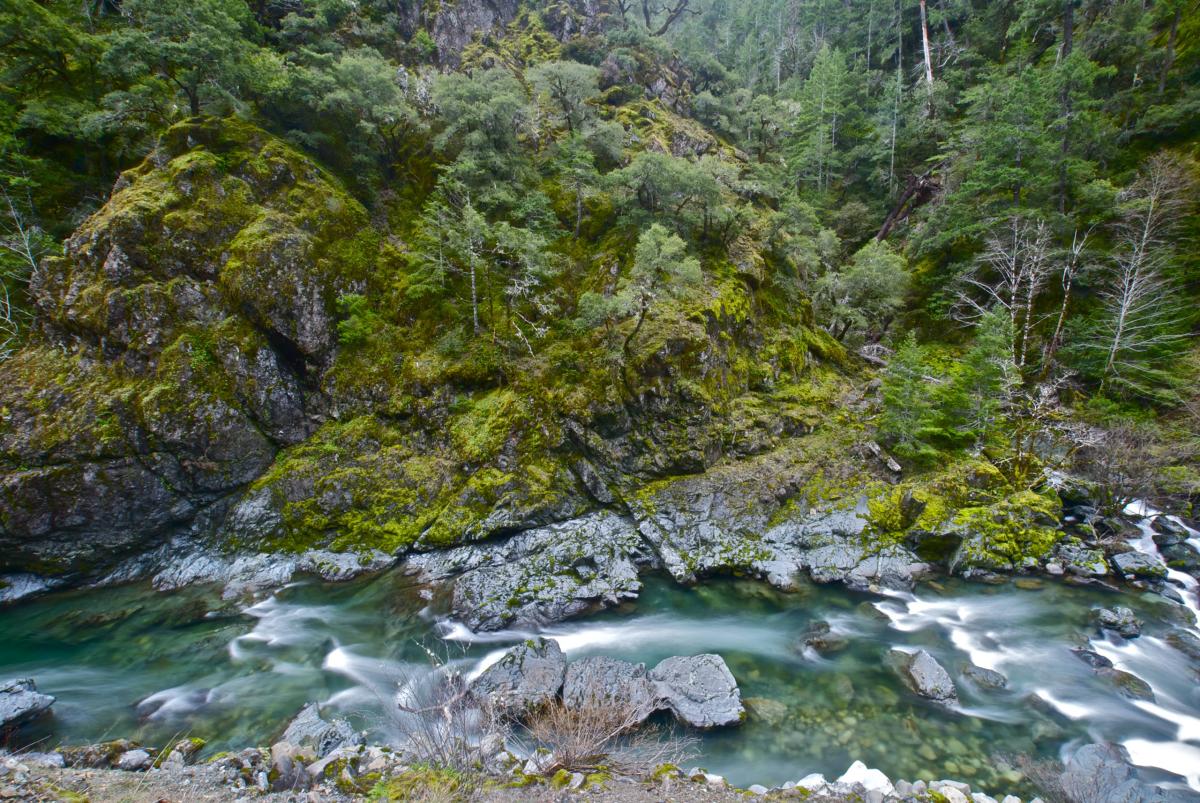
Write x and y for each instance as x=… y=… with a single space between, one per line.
x=20 y=701
x=1120 y=620
x=1138 y=564
x=985 y=678
x=820 y=636
x=700 y=690
x=529 y=675
x=1168 y=531
x=925 y=676
x=605 y=681
x=1093 y=659
x=1128 y=685
x=1186 y=642
x=1101 y=773
x=1080 y=560
x=309 y=728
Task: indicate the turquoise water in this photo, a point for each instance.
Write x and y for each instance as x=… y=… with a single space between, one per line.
x=132 y=662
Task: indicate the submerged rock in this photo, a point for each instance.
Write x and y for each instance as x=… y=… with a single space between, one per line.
x=821 y=637
x=925 y=676
x=309 y=729
x=1186 y=642
x=699 y=690
x=20 y=702
x=1128 y=685
x=1093 y=659
x=986 y=678
x=529 y=675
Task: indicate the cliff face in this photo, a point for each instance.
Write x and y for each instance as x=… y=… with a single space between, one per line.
x=180 y=333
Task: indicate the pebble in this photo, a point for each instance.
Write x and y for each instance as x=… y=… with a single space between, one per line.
x=758 y=789
x=133 y=760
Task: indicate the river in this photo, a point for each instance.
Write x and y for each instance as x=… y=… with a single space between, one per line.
x=132 y=662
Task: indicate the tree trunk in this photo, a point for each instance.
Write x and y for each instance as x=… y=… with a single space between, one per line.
x=1068 y=44
x=925 y=45
x=1169 y=61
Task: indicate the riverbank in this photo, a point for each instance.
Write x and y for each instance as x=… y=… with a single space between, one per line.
x=38 y=777
x=1096 y=773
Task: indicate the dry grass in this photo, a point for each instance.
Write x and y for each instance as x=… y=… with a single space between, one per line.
x=608 y=734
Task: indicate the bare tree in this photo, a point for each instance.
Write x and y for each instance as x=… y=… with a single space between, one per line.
x=1010 y=275
x=1070 y=268
x=674 y=9
x=22 y=245
x=1140 y=314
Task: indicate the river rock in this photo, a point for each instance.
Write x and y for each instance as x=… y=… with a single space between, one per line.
x=529 y=675
x=699 y=690
x=1182 y=556
x=1186 y=642
x=870 y=779
x=1093 y=659
x=925 y=676
x=1082 y=561
x=288 y=767
x=1128 y=685
x=20 y=702
x=1120 y=620
x=134 y=760
x=1168 y=531
x=820 y=636
x=1138 y=564
x=1101 y=773
x=309 y=728
x=985 y=678
x=605 y=681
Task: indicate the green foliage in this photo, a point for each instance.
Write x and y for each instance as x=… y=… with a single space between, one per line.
x=359 y=321
x=567 y=86
x=862 y=298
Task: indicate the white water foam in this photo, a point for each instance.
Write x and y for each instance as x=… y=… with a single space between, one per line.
x=958 y=617
x=1176 y=757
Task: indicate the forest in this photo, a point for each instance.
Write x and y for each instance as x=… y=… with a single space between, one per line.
x=995 y=199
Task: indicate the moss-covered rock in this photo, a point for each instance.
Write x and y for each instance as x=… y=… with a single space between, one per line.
x=178 y=332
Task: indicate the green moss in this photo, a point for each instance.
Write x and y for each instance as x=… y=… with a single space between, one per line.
x=423 y=782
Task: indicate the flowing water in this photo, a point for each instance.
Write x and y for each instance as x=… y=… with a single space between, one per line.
x=131 y=662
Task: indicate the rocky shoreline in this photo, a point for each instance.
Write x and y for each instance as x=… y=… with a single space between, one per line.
x=1096 y=773
x=555 y=572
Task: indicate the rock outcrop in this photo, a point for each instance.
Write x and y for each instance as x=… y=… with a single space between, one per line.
x=178 y=330
x=20 y=702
